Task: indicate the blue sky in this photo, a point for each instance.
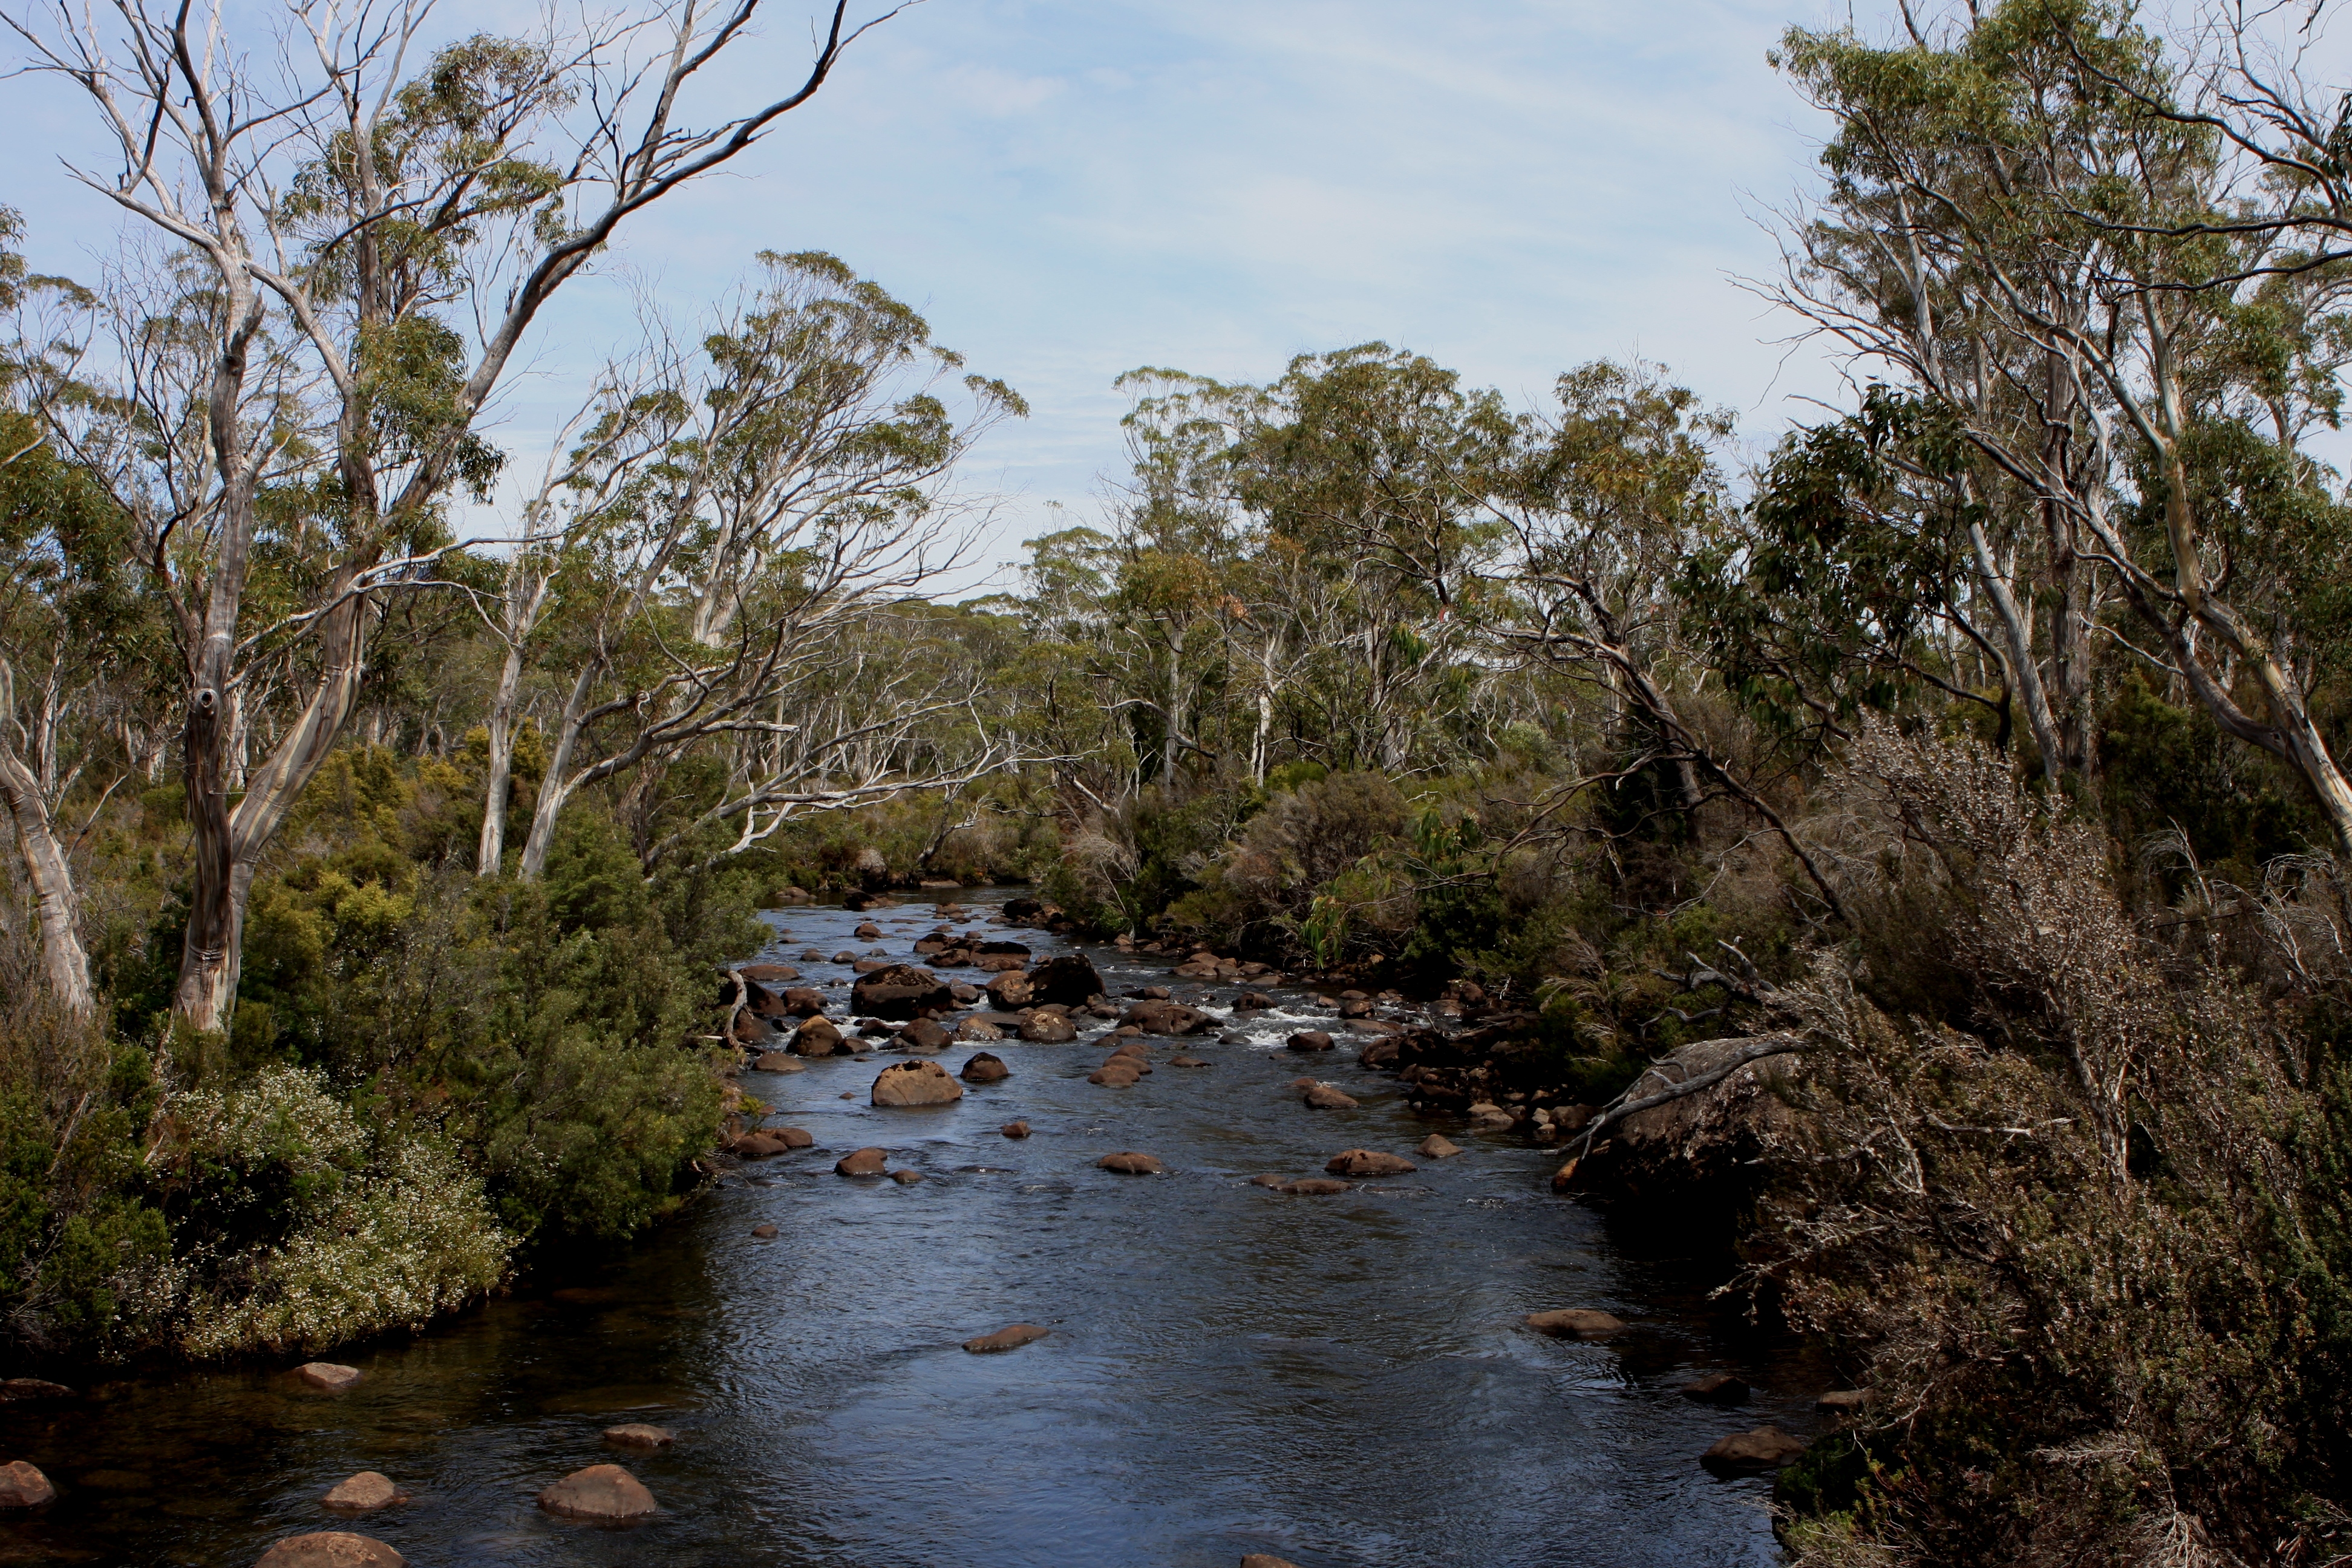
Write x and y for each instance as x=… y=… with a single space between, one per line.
x=1072 y=188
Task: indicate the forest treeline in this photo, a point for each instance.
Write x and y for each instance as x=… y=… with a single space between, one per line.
x=384 y=801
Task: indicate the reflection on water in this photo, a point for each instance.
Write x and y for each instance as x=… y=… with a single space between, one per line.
x=1337 y=1381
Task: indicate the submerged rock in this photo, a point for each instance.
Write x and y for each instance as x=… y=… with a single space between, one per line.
x=637 y=1435
x=330 y=1549
x=1317 y=1187
x=1131 y=1165
x=599 y=1491
x=1368 y=1162
x=1718 y=1388
x=1011 y=1337
x=1575 y=1323
x=1323 y=1097
x=1015 y=1130
x=1765 y=1448
x=331 y=1376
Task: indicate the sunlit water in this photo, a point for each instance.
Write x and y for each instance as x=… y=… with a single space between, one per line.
x=1337 y=1380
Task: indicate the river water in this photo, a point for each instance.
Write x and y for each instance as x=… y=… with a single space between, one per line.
x=1333 y=1380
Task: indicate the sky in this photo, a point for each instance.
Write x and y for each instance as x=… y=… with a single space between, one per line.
x=1069 y=189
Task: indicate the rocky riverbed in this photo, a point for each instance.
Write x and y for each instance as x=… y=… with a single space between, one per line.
x=1118 y=1299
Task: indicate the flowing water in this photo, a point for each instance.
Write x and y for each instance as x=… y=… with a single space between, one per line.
x=1334 y=1380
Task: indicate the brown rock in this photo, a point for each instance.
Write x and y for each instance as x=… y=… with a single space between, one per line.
x=1118 y=1073
x=1166 y=1018
x=793 y=1137
x=867 y=931
x=915 y=1083
x=22 y=1485
x=900 y=990
x=1310 y=1040
x=925 y=1035
x=1575 y=1323
x=1010 y=989
x=1266 y=1560
x=905 y=1177
x=999 y=963
x=778 y=1061
x=1765 y=1448
x=637 y=1435
x=1049 y=1029
x=1131 y=1165
x=1015 y=1130
x=1438 y=1146
x=757 y=1146
x=804 y=1001
x=764 y=1232
x=1843 y=1401
x=368 y=1489
x=1181 y=1060
x=816 y=1037
x=863 y=1163
x=1323 y=1097
x=986 y=1067
x=599 y=1491
x=331 y=1376
x=978 y=1029
x=1317 y=1187
x=1269 y=1180
x=1009 y=1338
x=1069 y=979
x=330 y=1549
x=1368 y=1162
x=768 y=974
x=1000 y=948
x=1718 y=1388
x=16 y=1388
x=1253 y=1000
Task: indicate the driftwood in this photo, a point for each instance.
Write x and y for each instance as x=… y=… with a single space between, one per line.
x=1780 y=1044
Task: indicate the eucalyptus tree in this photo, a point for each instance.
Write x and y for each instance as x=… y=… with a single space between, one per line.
x=364 y=251
x=2109 y=335
x=740 y=521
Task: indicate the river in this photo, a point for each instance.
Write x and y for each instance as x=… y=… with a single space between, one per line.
x=1338 y=1381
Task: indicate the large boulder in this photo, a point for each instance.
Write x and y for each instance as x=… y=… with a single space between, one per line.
x=22 y=1485
x=330 y=1377
x=986 y=1067
x=1070 y=980
x=1310 y=1040
x=915 y=1083
x=1711 y=1146
x=803 y=1001
x=900 y=990
x=1155 y=1017
x=1010 y=990
x=330 y=1549
x=599 y=1491
x=925 y=1034
x=1049 y=1029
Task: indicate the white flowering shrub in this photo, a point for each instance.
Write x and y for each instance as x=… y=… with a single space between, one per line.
x=396 y=1247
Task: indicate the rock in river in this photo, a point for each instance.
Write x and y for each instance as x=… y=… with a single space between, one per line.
x=599 y=1491
x=1575 y=1323
x=915 y=1083
x=1266 y=1560
x=1070 y=980
x=1323 y=1097
x=900 y=990
x=1166 y=1018
x=329 y=1376
x=366 y=1491
x=863 y=1163
x=637 y=1435
x=778 y=1061
x=925 y=1035
x=1015 y=1130
x=1310 y=1040
x=330 y=1549
x=816 y=1037
x=1011 y=989
x=1131 y=1165
x=1718 y=1388
x=1317 y=1187
x=1368 y=1162
x=1049 y=1029
x=1119 y=1072
x=22 y=1485
x=1765 y=1448
x=1438 y=1146
x=986 y=1067
x=1009 y=1338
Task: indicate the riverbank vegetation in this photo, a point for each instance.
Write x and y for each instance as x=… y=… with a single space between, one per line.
x=1981 y=738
